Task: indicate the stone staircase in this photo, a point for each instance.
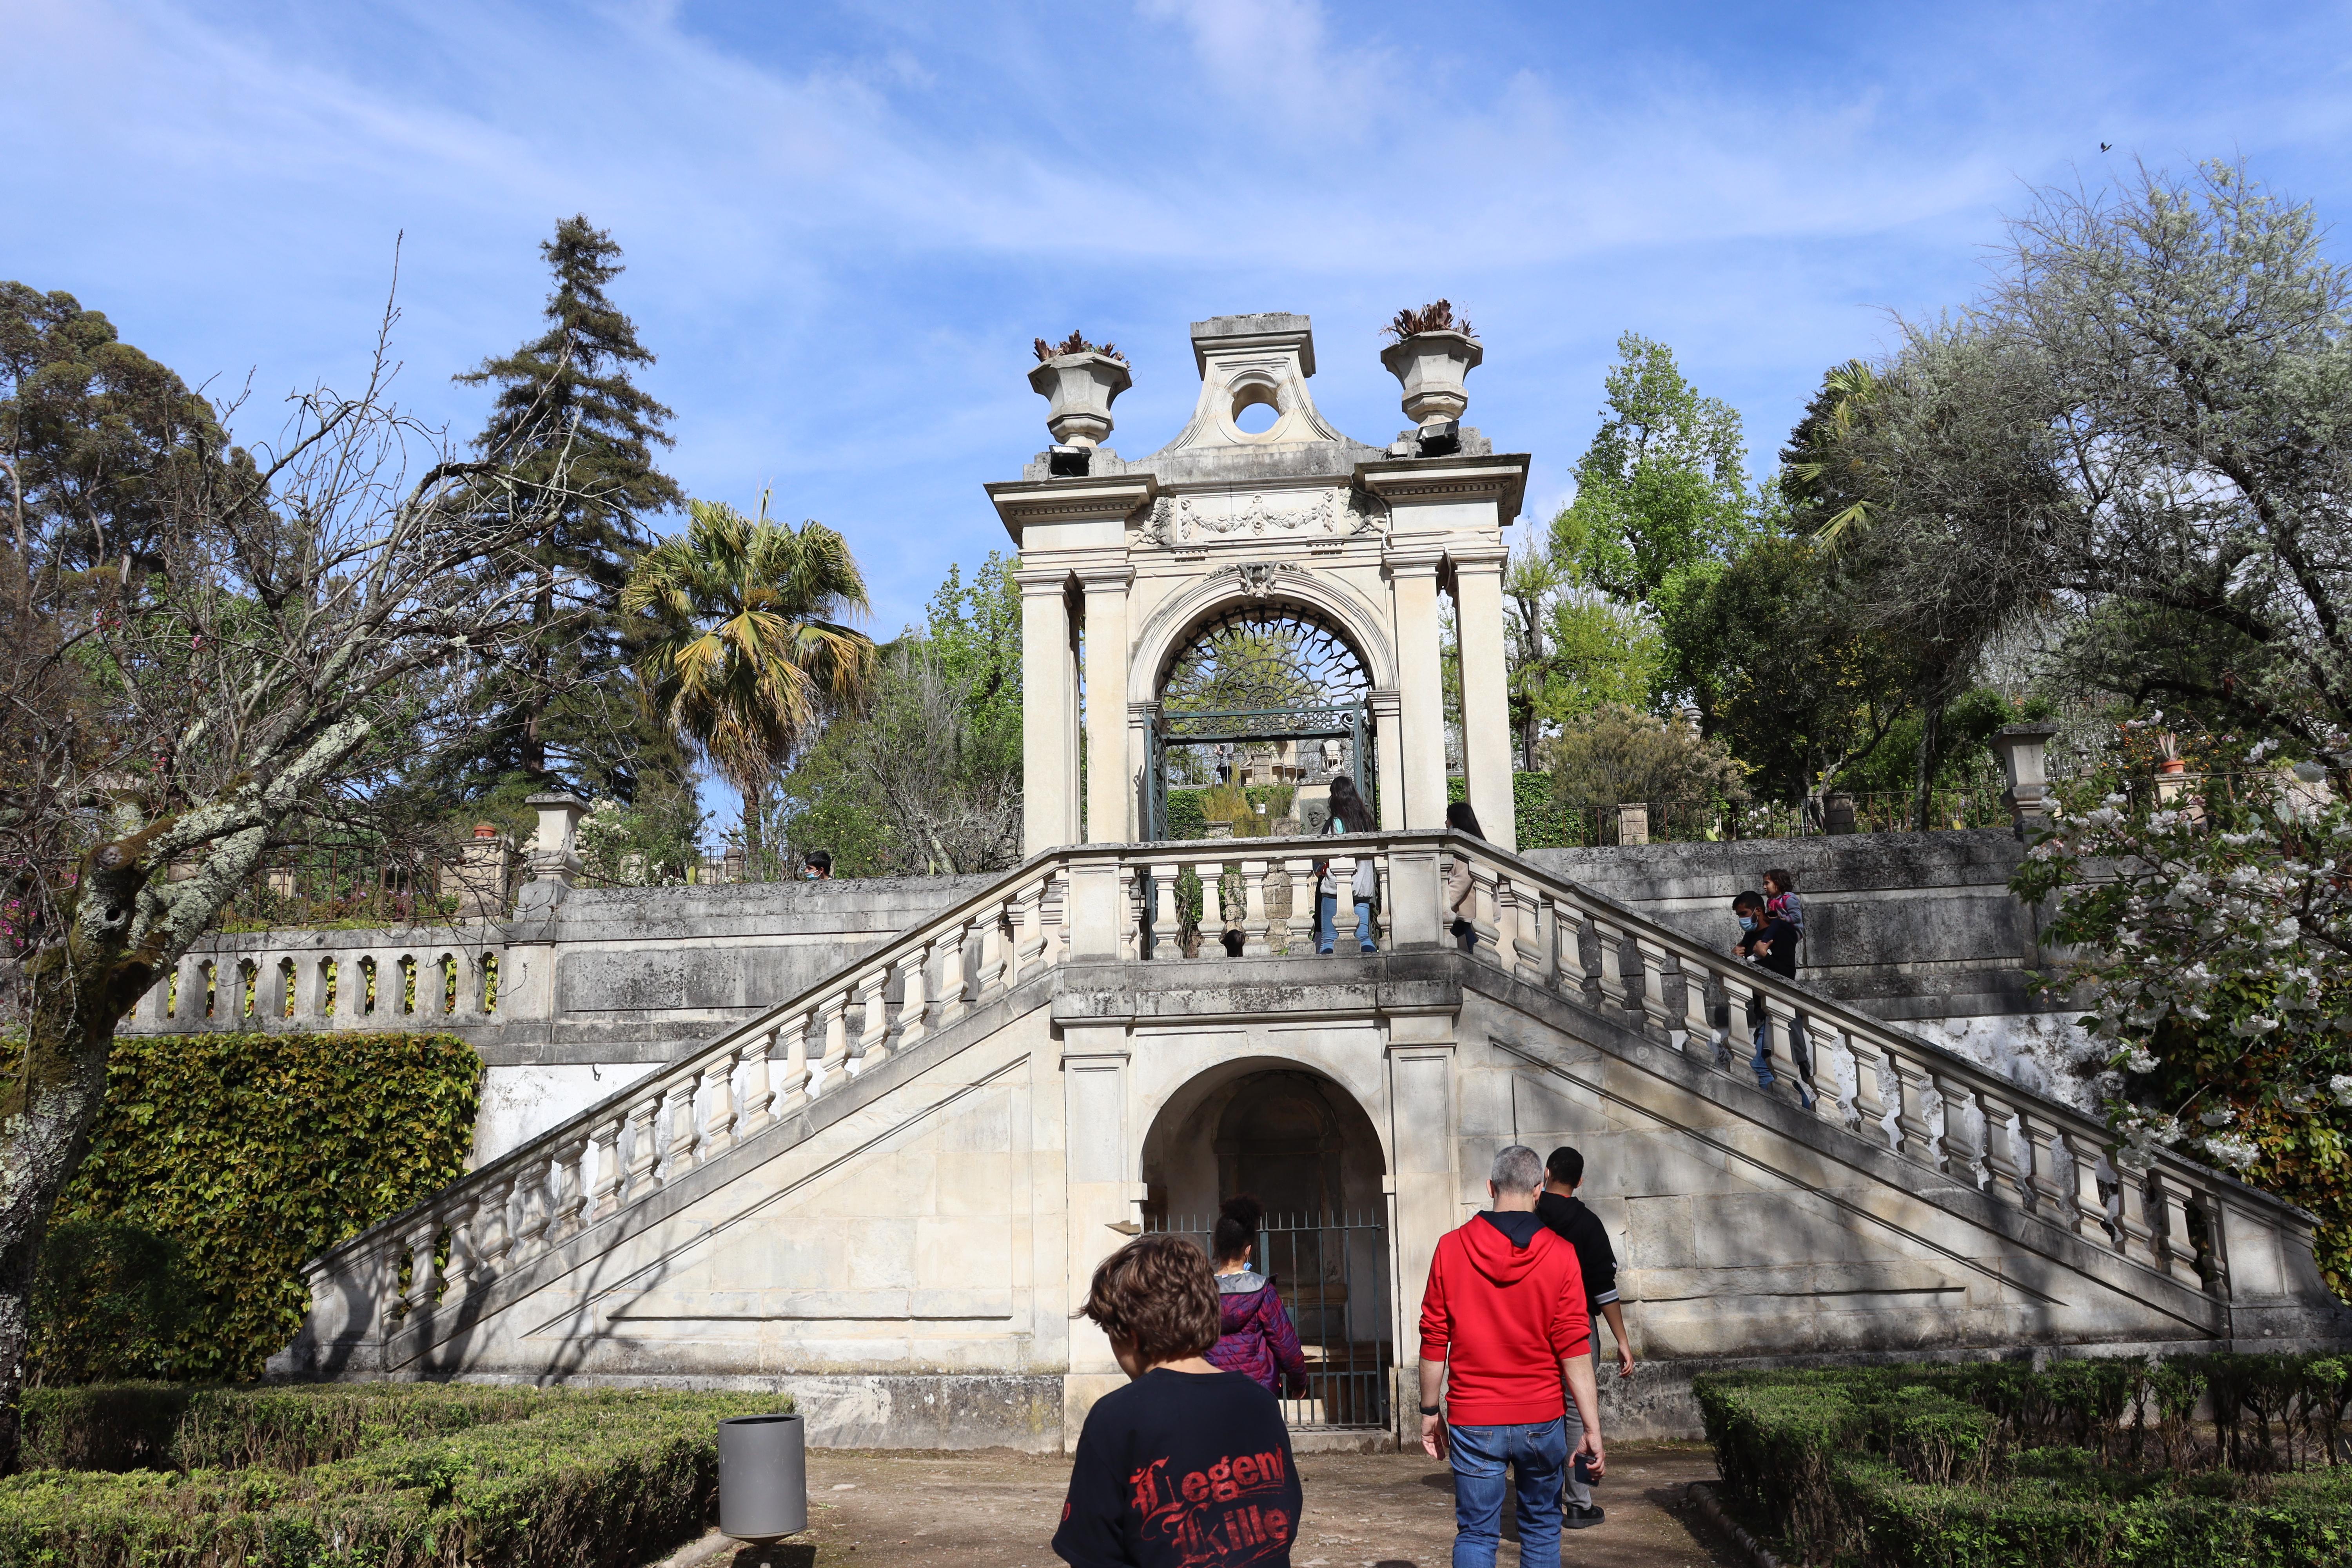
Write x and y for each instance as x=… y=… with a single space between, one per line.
x=888 y=1192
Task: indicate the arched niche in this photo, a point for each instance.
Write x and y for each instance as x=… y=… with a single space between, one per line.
x=1302 y=1145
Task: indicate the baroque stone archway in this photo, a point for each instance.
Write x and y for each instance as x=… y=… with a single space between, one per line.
x=1121 y=560
x=1266 y=693
x=1303 y=1146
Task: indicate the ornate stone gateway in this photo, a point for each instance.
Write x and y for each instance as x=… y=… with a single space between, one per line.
x=1240 y=589
x=1261 y=688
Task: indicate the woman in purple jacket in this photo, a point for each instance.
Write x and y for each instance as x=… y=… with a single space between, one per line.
x=1255 y=1333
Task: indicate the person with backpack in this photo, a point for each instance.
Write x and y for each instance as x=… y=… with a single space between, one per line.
x=1255 y=1333
x=1349 y=814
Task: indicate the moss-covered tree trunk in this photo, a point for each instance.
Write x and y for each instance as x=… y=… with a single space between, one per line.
x=79 y=987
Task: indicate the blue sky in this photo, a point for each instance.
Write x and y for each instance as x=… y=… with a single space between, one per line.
x=844 y=223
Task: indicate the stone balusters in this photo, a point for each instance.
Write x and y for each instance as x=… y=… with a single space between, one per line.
x=2176 y=1249
x=678 y=1148
x=572 y=1198
x=832 y=1018
x=604 y=1195
x=792 y=1089
x=954 y=998
x=1257 y=926
x=644 y=1147
x=718 y=1133
x=1165 y=936
x=914 y=1003
x=874 y=1016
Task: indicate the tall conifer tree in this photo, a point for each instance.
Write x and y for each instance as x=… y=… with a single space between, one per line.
x=569 y=715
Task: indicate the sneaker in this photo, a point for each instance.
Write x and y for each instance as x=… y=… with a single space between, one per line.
x=1584 y=1518
x=1370 y=950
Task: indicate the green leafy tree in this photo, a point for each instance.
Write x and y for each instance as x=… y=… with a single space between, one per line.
x=1662 y=488
x=1801 y=688
x=563 y=711
x=95 y=439
x=926 y=776
x=1620 y=754
x=743 y=647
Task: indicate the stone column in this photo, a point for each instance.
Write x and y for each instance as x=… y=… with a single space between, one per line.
x=1385 y=707
x=1098 y=1171
x=1111 y=772
x=1425 y=1187
x=1485 y=699
x=1421 y=692
x=1049 y=702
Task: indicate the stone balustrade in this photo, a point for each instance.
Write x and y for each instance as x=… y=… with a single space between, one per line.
x=428 y=977
x=1219 y=900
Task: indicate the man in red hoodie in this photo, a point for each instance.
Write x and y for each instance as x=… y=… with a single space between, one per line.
x=1502 y=1322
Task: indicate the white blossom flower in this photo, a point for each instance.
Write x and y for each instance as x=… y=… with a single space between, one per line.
x=2233 y=1149
x=2220 y=1116
x=2340 y=1085
x=2140 y=1060
x=2251 y=1028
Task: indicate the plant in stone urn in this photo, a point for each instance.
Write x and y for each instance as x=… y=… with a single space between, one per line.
x=1080 y=381
x=1431 y=356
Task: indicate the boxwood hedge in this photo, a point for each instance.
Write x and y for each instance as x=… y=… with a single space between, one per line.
x=385 y=1475
x=2096 y=1464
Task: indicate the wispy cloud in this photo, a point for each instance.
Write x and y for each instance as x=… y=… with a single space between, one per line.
x=843 y=223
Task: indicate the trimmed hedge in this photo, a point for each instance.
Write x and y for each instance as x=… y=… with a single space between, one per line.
x=388 y=1475
x=1995 y=1465
x=238 y=1155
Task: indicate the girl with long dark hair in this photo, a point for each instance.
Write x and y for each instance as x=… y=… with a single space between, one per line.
x=1459 y=884
x=1254 y=1335
x=1349 y=814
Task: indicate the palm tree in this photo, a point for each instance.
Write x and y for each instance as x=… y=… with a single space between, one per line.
x=741 y=649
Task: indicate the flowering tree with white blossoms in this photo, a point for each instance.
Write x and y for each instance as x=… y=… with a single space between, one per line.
x=2212 y=934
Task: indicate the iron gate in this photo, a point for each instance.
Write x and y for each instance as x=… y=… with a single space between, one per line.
x=1331 y=1272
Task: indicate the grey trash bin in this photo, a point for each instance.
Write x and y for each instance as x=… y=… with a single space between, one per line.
x=763 y=1477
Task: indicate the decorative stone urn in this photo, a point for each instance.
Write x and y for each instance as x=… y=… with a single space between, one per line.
x=1080 y=389
x=2022 y=749
x=1432 y=367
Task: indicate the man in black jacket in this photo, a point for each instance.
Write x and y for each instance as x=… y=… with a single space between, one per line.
x=1559 y=1209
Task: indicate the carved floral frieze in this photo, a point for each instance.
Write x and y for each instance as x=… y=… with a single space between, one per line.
x=1237 y=515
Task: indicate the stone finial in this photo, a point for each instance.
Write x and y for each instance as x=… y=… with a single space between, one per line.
x=554 y=851
x=1079 y=389
x=2023 y=750
x=1432 y=368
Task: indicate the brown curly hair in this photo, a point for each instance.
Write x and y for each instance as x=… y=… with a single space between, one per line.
x=1158 y=1293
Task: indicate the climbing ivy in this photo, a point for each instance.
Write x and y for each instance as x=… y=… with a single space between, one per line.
x=245 y=1154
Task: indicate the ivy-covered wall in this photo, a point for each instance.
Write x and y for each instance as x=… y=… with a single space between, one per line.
x=219 y=1164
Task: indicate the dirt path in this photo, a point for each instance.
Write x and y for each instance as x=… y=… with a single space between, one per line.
x=1363 y=1510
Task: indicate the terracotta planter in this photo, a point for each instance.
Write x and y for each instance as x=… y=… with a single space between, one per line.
x=1432 y=368
x=1079 y=389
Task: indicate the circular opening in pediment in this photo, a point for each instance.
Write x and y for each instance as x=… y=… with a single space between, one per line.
x=1255 y=408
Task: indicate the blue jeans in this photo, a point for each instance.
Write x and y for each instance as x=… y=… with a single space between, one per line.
x=1800 y=1048
x=1327 y=909
x=1539 y=1456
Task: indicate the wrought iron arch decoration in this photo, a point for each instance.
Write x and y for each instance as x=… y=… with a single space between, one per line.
x=1263 y=656
x=1264 y=670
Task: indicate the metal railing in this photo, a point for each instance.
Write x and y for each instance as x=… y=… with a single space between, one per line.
x=1113 y=902
x=1330 y=1271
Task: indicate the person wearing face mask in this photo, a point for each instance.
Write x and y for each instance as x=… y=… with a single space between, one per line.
x=1770 y=943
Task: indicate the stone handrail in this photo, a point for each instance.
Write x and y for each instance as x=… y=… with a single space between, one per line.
x=419 y=977
x=1925 y=1103
x=1222 y=897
